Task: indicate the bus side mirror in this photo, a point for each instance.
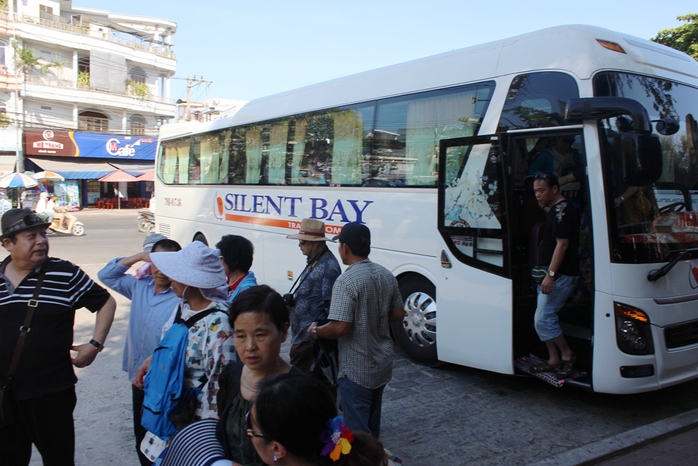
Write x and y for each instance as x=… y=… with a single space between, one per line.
x=642 y=158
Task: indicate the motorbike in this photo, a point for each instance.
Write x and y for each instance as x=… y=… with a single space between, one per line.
x=146 y=221
x=69 y=226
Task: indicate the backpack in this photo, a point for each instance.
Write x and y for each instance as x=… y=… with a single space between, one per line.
x=166 y=397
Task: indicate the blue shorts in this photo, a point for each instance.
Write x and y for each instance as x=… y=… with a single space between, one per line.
x=545 y=319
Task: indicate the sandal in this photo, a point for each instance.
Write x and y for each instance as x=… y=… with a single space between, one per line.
x=545 y=367
x=566 y=367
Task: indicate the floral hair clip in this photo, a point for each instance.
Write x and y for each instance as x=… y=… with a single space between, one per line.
x=337 y=439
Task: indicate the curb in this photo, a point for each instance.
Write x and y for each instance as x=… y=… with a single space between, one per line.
x=596 y=452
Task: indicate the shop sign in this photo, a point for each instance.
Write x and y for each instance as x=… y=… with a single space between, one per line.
x=49 y=142
x=92 y=145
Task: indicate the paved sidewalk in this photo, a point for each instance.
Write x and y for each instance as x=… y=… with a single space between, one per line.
x=672 y=441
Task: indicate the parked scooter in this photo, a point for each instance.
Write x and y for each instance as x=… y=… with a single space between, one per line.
x=72 y=225
x=146 y=221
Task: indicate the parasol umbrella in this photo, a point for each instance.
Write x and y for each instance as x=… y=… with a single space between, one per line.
x=118 y=176
x=18 y=180
x=147 y=176
x=48 y=176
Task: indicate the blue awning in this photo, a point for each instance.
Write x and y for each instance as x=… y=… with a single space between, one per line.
x=82 y=175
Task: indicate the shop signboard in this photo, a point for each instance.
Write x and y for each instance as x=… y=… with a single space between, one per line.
x=108 y=147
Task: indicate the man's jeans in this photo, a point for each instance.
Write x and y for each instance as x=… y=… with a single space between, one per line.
x=545 y=319
x=361 y=407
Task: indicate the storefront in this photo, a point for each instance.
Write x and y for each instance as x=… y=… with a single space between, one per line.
x=83 y=158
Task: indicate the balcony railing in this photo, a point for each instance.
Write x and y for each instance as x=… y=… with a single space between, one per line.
x=84 y=29
x=56 y=82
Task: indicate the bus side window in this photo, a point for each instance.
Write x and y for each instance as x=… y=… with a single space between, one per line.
x=237 y=159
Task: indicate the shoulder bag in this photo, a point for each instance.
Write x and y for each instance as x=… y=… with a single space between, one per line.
x=6 y=405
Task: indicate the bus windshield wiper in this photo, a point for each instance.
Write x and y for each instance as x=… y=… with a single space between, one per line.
x=656 y=274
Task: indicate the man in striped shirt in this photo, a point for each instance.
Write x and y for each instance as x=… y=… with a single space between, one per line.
x=43 y=385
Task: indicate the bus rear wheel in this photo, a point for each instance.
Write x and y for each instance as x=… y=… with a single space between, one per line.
x=416 y=333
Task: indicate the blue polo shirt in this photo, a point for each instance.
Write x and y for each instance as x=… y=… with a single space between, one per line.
x=149 y=312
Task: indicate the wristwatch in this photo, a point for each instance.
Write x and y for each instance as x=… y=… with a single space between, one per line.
x=313 y=331
x=551 y=273
x=97 y=345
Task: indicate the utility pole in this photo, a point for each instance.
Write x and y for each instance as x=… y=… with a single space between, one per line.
x=18 y=98
x=191 y=82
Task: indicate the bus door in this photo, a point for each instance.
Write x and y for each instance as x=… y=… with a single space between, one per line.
x=526 y=153
x=474 y=289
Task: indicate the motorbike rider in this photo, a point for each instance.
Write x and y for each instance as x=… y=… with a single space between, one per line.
x=42 y=209
x=56 y=212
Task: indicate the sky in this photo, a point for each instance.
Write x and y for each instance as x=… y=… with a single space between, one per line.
x=254 y=48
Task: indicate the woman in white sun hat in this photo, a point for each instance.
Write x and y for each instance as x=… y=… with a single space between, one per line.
x=199 y=281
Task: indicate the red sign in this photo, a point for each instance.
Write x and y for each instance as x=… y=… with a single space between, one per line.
x=49 y=142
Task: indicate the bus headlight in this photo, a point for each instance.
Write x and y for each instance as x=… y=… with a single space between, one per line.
x=633 y=331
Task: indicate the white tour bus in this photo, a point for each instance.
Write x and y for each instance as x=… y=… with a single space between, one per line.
x=436 y=155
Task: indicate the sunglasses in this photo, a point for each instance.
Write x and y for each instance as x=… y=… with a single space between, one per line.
x=540 y=176
x=248 y=427
x=301 y=242
x=28 y=220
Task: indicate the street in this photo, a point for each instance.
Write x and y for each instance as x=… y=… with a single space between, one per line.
x=431 y=416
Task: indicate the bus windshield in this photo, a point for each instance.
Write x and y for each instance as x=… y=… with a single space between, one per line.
x=649 y=222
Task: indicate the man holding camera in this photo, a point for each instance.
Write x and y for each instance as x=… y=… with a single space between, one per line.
x=310 y=301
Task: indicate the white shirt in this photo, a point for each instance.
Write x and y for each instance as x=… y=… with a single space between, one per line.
x=41 y=206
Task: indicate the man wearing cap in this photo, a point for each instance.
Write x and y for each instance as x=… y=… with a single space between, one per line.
x=152 y=302
x=43 y=385
x=364 y=299
x=313 y=292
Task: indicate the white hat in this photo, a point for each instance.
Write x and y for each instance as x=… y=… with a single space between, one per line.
x=196 y=265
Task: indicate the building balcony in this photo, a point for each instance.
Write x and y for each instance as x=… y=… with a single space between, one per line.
x=53 y=89
x=9 y=25
x=9 y=82
x=129 y=92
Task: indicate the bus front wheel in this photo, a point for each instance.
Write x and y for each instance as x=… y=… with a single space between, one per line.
x=416 y=333
x=200 y=237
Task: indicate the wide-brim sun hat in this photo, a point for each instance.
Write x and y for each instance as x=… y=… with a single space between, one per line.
x=195 y=265
x=311 y=230
x=16 y=220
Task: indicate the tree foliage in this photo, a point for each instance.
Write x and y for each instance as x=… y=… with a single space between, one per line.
x=25 y=61
x=684 y=37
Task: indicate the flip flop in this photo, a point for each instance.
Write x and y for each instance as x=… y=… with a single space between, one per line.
x=545 y=367
x=566 y=367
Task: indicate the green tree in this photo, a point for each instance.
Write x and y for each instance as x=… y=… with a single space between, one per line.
x=25 y=61
x=684 y=37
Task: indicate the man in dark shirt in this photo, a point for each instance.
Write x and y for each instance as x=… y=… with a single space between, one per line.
x=559 y=250
x=43 y=385
x=314 y=292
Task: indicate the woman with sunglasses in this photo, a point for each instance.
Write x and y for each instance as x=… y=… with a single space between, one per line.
x=260 y=323
x=294 y=422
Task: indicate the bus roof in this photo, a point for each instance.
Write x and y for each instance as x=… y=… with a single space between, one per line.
x=572 y=48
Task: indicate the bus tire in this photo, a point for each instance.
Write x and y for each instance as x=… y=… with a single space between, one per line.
x=416 y=333
x=200 y=237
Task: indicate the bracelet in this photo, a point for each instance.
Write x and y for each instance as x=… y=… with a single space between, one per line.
x=313 y=331
x=622 y=199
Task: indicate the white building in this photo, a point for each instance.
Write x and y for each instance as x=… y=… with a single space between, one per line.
x=85 y=90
